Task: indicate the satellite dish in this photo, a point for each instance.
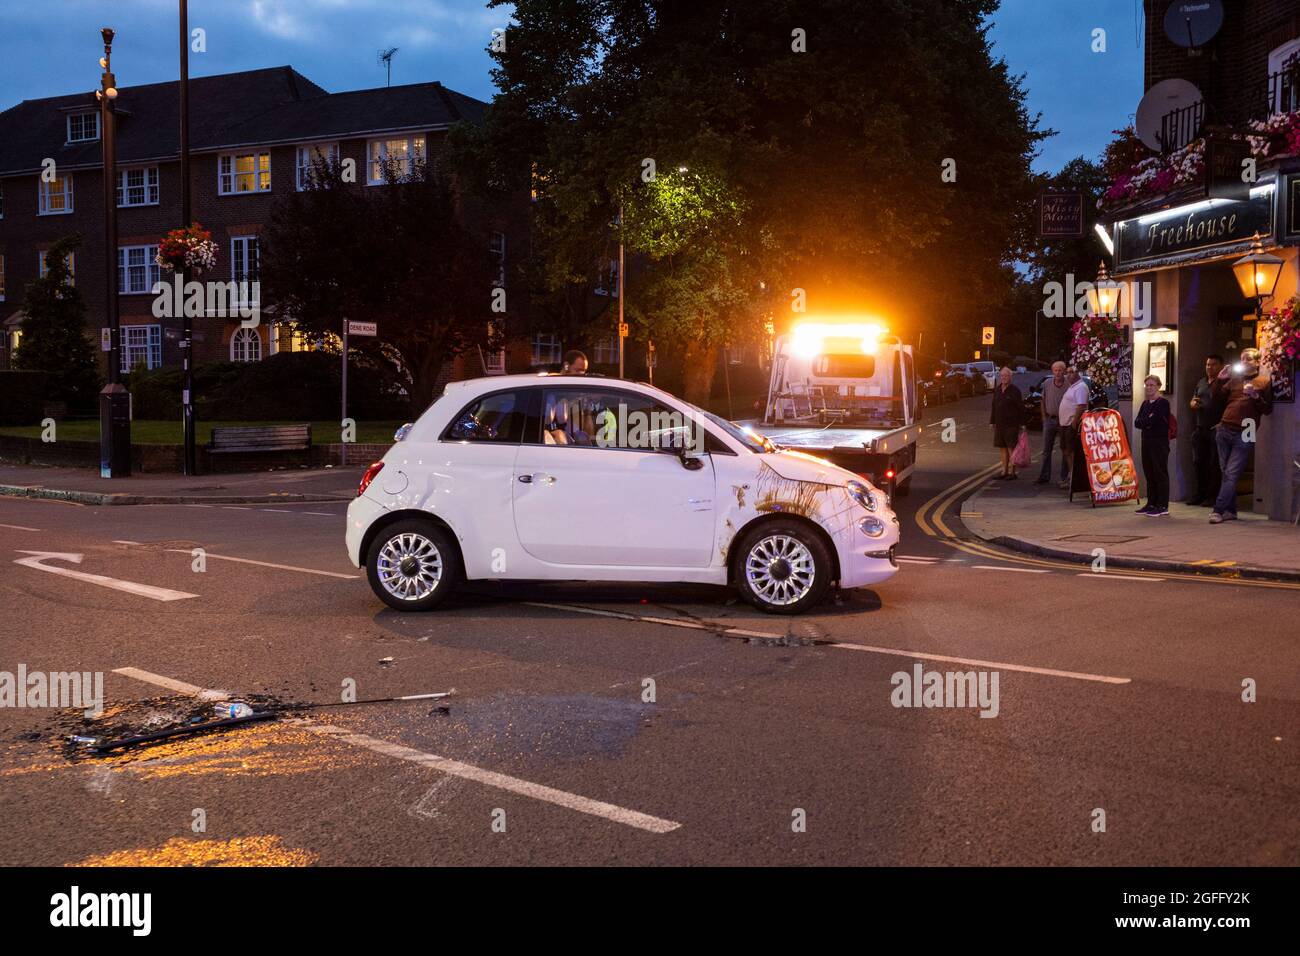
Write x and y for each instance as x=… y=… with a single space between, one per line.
x=1165 y=96
x=1193 y=23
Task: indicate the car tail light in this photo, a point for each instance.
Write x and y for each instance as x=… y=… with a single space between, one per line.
x=368 y=477
x=889 y=475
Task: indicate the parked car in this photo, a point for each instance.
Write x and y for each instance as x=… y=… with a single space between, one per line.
x=564 y=478
x=936 y=384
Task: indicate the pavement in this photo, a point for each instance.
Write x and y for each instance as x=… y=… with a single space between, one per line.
x=1039 y=519
x=84 y=486
x=637 y=725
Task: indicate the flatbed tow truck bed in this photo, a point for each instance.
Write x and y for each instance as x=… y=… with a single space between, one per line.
x=885 y=455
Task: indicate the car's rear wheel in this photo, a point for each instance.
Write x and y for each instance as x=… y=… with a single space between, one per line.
x=412 y=565
x=783 y=567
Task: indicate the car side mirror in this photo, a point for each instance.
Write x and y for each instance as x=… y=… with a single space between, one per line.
x=689 y=461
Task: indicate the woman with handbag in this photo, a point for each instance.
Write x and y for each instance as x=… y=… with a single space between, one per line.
x=1007 y=418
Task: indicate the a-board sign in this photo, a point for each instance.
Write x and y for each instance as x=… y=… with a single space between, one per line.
x=1112 y=476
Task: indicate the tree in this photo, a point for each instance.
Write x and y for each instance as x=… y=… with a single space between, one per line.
x=824 y=133
x=339 y=251
x=54 y=332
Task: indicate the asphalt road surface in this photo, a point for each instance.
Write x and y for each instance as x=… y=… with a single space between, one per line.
x=768 y=740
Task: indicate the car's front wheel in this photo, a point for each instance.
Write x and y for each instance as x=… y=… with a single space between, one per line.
x=784 y=567
x=412 y=565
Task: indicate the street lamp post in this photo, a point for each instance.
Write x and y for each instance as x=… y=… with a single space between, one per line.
x=622 y=281
x=187 y=321
x=114 y=399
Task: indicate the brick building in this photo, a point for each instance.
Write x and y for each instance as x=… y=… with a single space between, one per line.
x=253 y=135
x=1175 y=249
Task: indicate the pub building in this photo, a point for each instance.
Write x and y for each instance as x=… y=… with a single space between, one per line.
x=1175 y=252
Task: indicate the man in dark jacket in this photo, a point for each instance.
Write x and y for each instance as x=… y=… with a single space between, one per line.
x=1153 y=421
x=1206 y=412
x=1247 y=397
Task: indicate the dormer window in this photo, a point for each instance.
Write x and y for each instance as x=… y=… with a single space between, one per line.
x=83 y=127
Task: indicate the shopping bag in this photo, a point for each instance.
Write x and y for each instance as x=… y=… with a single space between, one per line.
x=1020 y=457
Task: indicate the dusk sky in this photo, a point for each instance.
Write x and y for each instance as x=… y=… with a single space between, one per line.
x=335 y=42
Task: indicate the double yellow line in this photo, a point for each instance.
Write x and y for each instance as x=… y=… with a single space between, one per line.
x=930 y=519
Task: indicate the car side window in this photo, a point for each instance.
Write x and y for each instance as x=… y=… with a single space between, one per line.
x=612 y=418
x=498 y=417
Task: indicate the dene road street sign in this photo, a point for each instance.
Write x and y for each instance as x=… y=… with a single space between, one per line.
x=363 y=328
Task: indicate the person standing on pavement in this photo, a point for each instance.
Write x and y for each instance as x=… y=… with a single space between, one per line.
x=1007 y=416
x=1053 y=391
x=1206 y=412
x=1247 y=397
x=1073 y=404
x=1153 y=421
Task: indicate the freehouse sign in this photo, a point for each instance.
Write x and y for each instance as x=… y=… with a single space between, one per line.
x=1170 y=234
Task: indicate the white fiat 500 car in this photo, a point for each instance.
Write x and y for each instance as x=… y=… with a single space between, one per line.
x=581 y=478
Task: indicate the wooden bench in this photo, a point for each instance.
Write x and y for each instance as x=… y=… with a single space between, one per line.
x=255 y=438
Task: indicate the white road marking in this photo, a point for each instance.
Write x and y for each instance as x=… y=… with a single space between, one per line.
x=235 y=508
x=279 y=511
x=895 y=652
x=993 y=665
x=115 y=541
x=1116 y=577
x=18 y=527
x=177 y=685
x=268 y=564
x=490 y=778
x=995 y=567
x=323 y=514
x=130 y=587
x=501 y=781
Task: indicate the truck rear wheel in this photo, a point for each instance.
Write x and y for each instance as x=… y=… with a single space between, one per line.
x=783 y=567
x=903 y=488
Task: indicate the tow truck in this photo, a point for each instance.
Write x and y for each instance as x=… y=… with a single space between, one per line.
x=846 y=392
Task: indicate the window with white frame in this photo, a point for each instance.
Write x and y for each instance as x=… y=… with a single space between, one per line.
x=497 y=253
x=546 y=349
x=245 y=267
x=309 y=156
x=607 y=278
x=141 y=343
x=137 y=270
x=1284 y=96
x=83 y=127
x=245 y=345
x=71 y=261
x=55 y=195
x=138 y=187
x=243 y=173
x=606 y=351
x=402 y=155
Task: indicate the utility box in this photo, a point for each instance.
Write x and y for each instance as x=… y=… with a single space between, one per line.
x=114 y=431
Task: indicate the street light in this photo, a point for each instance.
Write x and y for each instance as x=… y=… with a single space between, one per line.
x=188 y=424
x=114 y=399
x=1103 y=297
x=1257 y=274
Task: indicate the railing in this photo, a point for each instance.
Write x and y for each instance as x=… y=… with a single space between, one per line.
x=1179 y=127
x=1283 y=94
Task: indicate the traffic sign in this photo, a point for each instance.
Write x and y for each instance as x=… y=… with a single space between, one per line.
x=622 y=329
x=363 y=328
x=988 y=335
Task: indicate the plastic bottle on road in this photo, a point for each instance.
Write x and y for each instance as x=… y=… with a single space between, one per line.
x=229 y=710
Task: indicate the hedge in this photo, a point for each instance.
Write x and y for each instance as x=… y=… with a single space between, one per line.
x=22 y=396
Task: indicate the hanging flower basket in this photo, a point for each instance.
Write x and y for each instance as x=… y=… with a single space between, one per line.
x=1280 y=336
x=191 y=249
x=1095 y=345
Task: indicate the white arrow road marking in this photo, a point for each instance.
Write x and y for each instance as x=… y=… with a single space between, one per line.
x=38 y=558
x=18 y=527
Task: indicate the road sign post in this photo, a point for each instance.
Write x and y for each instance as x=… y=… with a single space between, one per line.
x=369 y=330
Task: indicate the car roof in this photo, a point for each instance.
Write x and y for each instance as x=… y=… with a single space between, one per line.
x=469 y=387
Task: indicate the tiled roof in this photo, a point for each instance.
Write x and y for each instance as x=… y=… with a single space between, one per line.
x=273 y=105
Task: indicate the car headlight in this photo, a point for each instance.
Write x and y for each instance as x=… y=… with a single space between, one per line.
x=861 y=494
x=872 y=527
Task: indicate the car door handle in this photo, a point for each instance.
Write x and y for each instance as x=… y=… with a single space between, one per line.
x=538 y=477
x=526 y=479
